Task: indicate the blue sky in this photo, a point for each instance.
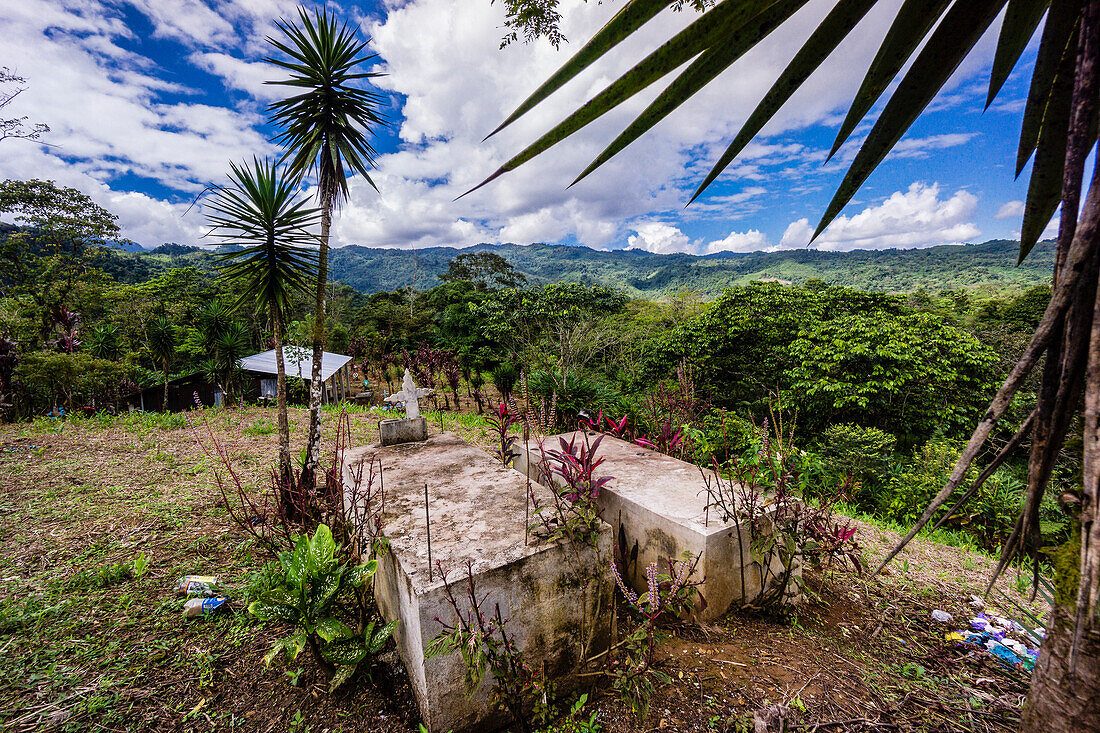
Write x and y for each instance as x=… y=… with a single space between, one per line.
x=148 y=101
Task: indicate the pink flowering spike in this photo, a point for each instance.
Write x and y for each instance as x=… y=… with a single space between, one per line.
x=628 y=593
x=654 y=590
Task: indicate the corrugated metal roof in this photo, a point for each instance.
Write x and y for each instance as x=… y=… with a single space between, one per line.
x=298 y=362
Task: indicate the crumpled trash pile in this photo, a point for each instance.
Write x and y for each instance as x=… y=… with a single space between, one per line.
x=1011 y=643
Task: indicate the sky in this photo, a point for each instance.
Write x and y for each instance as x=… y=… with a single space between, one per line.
x=149 y=100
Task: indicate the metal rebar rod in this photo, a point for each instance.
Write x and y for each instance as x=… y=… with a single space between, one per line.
x=428 y=525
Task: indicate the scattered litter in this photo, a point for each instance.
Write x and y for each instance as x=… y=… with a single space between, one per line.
x=942 y=616
x=18 y=448
x=197 y=585
x=203 y=606
x=993 y=634
x=976 y=602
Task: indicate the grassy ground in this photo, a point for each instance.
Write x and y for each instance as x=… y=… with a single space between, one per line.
x=99 y=517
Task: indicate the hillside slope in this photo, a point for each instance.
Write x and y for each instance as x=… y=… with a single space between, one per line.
x=991 y=266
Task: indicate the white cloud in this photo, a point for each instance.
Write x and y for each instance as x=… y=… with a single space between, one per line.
x=915 y=218
x=1010 y=210
x=750 y=241
x=451 y=85
x=246 y=76
x=660 y=238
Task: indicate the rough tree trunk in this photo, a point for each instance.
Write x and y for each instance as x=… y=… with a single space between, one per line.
x=313 y=446
x=164 y=405
x=285 y=475
x=1061 y=701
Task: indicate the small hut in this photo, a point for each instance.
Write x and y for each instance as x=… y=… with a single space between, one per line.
x=298 y=362
x=192 y=390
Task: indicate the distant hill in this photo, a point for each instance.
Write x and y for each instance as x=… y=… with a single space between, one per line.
x=991 y=265
x=988 y=266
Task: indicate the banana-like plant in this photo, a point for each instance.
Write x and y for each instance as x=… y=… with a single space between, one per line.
x=314 y=578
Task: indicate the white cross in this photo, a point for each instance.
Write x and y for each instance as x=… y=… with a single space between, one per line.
x=409 y=394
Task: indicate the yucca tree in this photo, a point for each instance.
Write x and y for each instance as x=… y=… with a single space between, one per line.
x=160 y=335
x=326 y=131
x=261 y=211
x=1058 y=132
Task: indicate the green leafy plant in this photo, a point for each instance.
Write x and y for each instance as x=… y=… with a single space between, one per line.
x=575 y=721
x=632 y=672
x=313 y=582
x=483 y=641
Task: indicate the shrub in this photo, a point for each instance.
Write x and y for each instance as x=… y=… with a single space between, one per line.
x=308 y=598
x=859 y=454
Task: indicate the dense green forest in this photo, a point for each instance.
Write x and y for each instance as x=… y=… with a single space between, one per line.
x=988 y=267
x=876 y=389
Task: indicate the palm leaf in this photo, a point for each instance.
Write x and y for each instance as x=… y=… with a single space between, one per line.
x=958 y=32
x=701 y=72
x=835 y=28
x=709 y=29
x=630 y=18
x=912 y=23
x=1021 y=19
x=327 y=126
x=1044 y=190
x=1059 y=39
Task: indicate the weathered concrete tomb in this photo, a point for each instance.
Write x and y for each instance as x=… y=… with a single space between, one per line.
x=657 y=508
x=477 y=510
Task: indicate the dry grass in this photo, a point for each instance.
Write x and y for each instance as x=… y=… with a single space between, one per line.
x=87 y=495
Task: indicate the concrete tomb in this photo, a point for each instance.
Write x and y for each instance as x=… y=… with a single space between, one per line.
x=477 y=511
x=657 y=508
x=413 y=426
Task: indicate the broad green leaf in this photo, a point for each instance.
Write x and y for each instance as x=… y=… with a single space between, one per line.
x=324 y=590
x=273 y=612
x=630 y=18
x=343 y=674
x=292 y=645
x=345 y=651
x=380 y=637
x=911 y=24
x=835 y=28
x=321 y=549
x=331 y=629
x=358 y=576
x=281 y=596
x=708 y=29
x=1059 y=39
x=701 y=72
x=295 y=643
x=299 y=562
x=1021 y=19
x=958 y=32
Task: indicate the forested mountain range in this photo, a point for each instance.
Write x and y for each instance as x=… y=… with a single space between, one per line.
x=988 y=266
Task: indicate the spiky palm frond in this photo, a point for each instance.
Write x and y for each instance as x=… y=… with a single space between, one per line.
x=932 y=36
x=261 y=212
x=326 y=127
x=160 y=334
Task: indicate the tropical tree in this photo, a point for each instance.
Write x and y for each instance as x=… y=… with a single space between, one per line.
x=160 y=335
x=103 y=341
x=325 y=129
x=260 y=211
x=43 y=263
x=928 y=40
